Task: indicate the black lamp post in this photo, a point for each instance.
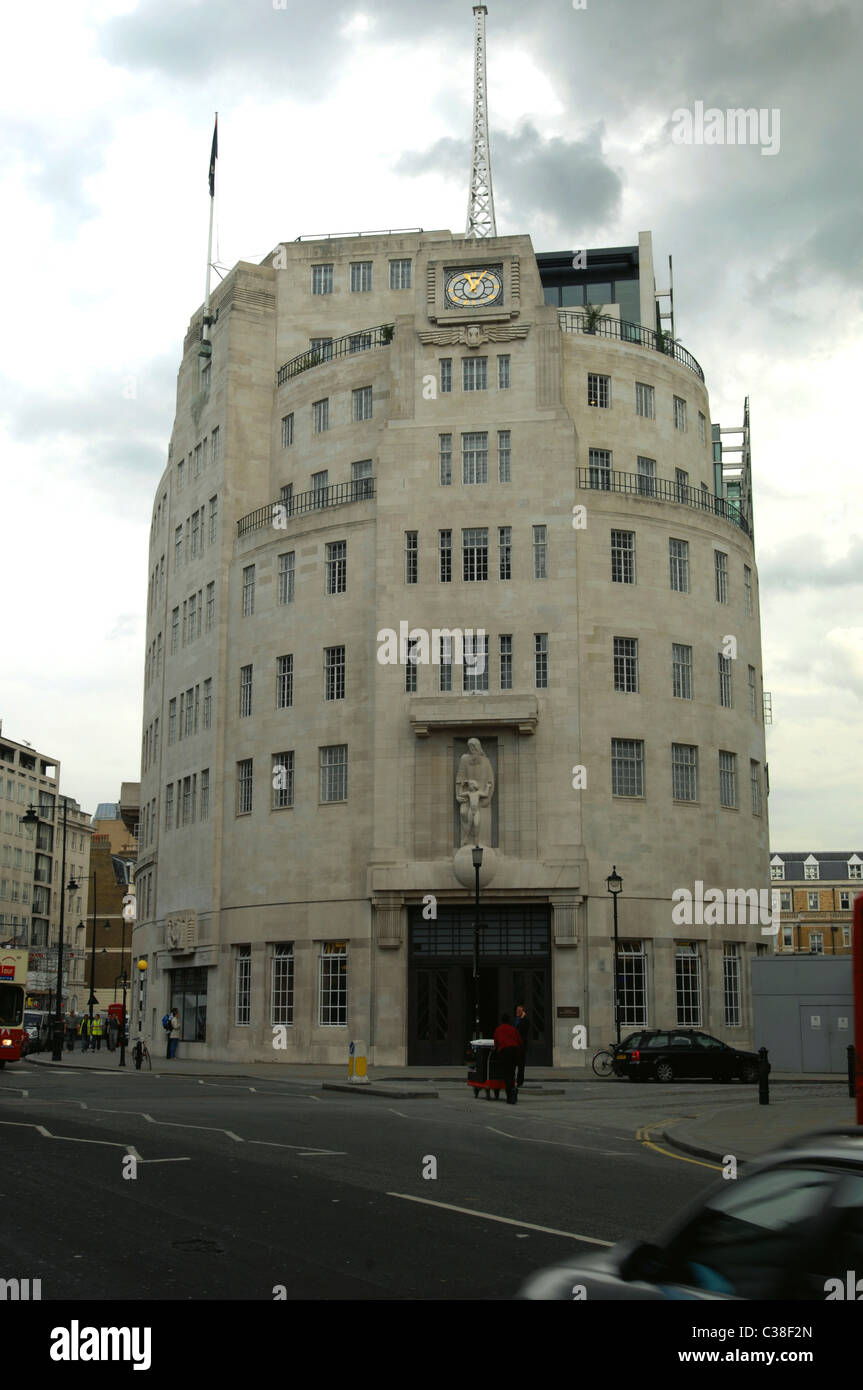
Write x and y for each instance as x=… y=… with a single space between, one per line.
x=32 y=818
x=476 y=855
x=614 y=884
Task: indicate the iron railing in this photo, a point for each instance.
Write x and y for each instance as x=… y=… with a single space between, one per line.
x=663 y=490
x=276 y=513
x=347 y=346
x=571 y=322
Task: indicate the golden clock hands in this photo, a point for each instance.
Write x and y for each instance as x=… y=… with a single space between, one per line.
x=474 y=279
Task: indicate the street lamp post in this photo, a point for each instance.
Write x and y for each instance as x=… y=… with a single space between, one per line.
x=128 y=916
x=476 y=854
x=614 y=884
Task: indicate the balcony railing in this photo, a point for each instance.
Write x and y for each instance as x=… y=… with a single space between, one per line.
x=277 y=513
x=571 y=322
x=347 y=346
x=663 y=490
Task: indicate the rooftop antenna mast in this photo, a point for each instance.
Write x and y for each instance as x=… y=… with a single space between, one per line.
x=480 y=203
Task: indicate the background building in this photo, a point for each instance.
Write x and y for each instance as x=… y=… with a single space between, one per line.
x=423 y=429
x=816 y=896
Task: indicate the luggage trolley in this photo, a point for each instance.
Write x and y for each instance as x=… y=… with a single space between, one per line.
x=484 y=1074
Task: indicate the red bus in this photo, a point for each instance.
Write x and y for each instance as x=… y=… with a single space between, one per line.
x=13 y=982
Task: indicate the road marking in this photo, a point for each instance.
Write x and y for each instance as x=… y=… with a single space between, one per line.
x=643 y=1135
x=303 y=1149
x=130 y=1149
x=165 y=1160
x=585 y=1148
x=505 y=1220
x=396 y=1112
x=177 y=1124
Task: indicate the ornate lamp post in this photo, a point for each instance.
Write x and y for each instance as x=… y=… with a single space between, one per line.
x=614 y=884
x=129 y=913
x=476 y=855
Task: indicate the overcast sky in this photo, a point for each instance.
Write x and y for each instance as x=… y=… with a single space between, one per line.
x=341 y=117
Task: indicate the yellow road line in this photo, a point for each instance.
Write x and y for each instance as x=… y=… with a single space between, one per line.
x=643 y=1135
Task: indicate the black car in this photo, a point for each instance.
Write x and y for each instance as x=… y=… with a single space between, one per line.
x=667 y=1054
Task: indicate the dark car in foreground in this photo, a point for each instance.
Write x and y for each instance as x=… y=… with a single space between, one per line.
x=667 y=1054
x=790 y=1228
x=37 y=1031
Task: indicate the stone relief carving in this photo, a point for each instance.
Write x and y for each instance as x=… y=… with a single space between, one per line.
x=474 y=789
x=473 y=335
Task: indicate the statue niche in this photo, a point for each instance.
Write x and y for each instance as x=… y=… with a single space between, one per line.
x=474 y=790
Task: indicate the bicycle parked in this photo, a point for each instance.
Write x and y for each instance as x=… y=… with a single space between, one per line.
x=141 y=1054
x=603 y=1062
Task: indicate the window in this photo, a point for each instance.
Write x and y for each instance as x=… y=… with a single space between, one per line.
x=334 y=673
x=816 y=943
x=286 y=577
x=207 y=715
x=474 y=457
x=646 y=477
x=334 y=772
x=702 y=429
x=181 y=474
x=361 y=476
x=777 y=870
x=505 y=651
x=846 y=936
x=599 y=466
x=178 y=547
x=245 y=691
x=474 y=373
x=631 y=983
x=322 y=348
x=337 y=567
x=186 y=637
x=445 y=557
x=681 y=484
x=282 y=986
x=623 y=557
x=248 y=591
x=411 y=557
x=504 y=456
x=503 y=376
x=474 y=541
x=320 y=486
x=810 y=870
x=411 y=666
x=681 y=671
x=844 y=901
x=731 y=981
x=627 y=767
x=400 y=275
x=333 y=979
x=284 y=682
x=322 y=279
x=175 y=630
x=504 y=547
x=215 y=446
x=755 y=784
x=684 y=772
x=445 y=458
x=196 y=517
x=199 y=449
x=540 y=647
x=688 y=988
x=724 y=663
x=599 y=390
x=727 y=779
x=321 y=416
x=475 y=665
x=283 y=780
x=788 y=938
x=540 y=552
x=679 y=414
x=169 y=806
x=813 y=899
x=645 y=401
x=287 y=430
x=753 y=698
x=445 y=664
x=188 y=804
x=445 y=375
x=625 y=664
x=855 y=869
x=362 y=403
x=785 y=900
x=172 y=721
x=205 y=794
x=361 y=277
x=747 y=591
x=720 y=573
x=244 y=787
x=189 y=729
x=211 y=605
x=243 y=999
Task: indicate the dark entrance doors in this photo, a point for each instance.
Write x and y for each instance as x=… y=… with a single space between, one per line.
x=514 y=969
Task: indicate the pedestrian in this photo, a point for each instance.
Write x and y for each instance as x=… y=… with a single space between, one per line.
x=96 y=1032
x=507 y=1042
x=174 y=1034
x=522 y=1023
x=84 y=1033
x=70 y=1034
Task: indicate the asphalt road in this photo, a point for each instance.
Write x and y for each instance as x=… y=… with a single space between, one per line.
x=239 y=1189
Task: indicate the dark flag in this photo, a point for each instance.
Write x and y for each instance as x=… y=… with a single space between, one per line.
x=214 y=153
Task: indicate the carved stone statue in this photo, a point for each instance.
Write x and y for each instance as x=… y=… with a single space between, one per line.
x=474 y=789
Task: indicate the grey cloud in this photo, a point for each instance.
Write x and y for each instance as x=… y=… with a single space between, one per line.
x=803 y=565
x=56 y=164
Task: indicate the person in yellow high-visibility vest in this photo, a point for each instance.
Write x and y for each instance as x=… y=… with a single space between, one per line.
x=96 y=1032
x=84 y=1033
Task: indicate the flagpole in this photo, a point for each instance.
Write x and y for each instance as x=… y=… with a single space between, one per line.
x=206 y=323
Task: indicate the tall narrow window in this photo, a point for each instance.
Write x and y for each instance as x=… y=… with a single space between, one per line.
x=753 y=696
x=475 y=553
x=627 y=767
x=211 y=605
x=287 y=430
x=445 y=375
x=196 y=530
x=286 y=577
x=334 y=673
x=205 y=794
x=747 y=591
x=731 y=983
x=215 y=446
x=646 y=476
x=755 y=787
x=720 y=574
x=540 y=552
x=475 y=666
x=207 y=713
x=599 y=468
x=322 y=279
x=245 y=691
x=400 y=275
x=172 y=721
x=445 y=663
x=504 y=456
x=505 y=651
x=681 y=484
x=445 y=557
x=361 y=277
x=503 y=377
x=411 y=557
x=243 y=1003
x=320 y=487
x=540 y=646
x=334 y=773
x=623 y=557
x=362 y=403
x=411 y=658
x=337 y=567
x=724 y=663
x=283 y=780
x=679 y=413
x=678 y=562
x=474 y=457
x=282 y=986
x=321 y=415
x=474 y=373
x=599 y=390
x=702 y=428
x=175 y=630
x=333 y=981
x=645 y=401
x=681 y=671
x=178 y=548
x=504 y=545
x=284 y=682
x=244 y=787
x=248 y=591
x=684 y=772
x=169 y=806
x=361 y=477
x=688 y=985
x=445 y=459
x=626 y=664
x=727 y=779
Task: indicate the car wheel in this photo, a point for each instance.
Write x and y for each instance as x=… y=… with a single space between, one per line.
x=749 y=1072
x=664 y=1071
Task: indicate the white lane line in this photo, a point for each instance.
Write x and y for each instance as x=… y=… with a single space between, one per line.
x=558 y=1143
x=505 y=1220
x=303 y=1149
x=396 y=1112
x=177 y=1124
x=165 y=1160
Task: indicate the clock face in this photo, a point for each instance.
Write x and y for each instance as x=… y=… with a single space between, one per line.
x=478 y=287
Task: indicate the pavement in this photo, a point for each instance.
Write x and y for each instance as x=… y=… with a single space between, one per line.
x=746 y=1130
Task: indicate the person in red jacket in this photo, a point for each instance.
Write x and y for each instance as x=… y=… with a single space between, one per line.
x=507 y=1042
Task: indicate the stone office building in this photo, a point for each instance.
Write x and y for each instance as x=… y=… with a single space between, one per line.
x=383 y=443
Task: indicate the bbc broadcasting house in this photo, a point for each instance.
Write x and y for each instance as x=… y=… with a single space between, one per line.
x=427 y=429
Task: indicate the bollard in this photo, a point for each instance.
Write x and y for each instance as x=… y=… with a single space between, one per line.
x=357 y=1064
x=851 y=1070
x=763 y=1073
